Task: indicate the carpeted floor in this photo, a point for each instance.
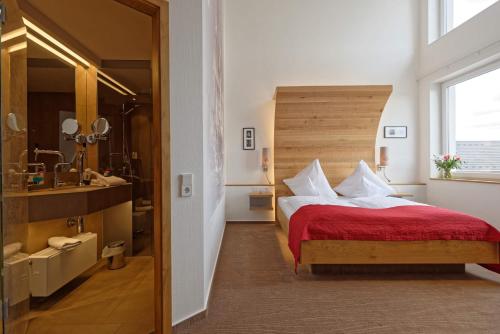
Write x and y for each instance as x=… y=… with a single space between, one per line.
x=256 y=291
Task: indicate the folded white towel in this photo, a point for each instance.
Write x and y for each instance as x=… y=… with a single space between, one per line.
x=63 y=243
x=11 y=249
x=107 y=181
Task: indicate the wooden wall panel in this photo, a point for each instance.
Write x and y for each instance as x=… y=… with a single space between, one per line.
x=336 y=124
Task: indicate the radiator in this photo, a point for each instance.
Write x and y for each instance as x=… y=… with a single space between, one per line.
x=51 y=268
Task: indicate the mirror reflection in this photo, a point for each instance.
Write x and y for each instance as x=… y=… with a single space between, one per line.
x=70 y=127
x=51 y=105
x=101 y=127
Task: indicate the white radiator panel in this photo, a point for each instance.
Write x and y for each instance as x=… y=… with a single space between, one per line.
x=52 y=268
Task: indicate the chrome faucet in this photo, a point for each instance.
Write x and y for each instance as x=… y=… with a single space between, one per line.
x=37 y=152
x=58 y=183
x=82 y=155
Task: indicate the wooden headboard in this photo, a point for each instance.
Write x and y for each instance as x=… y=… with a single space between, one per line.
x=336 y=124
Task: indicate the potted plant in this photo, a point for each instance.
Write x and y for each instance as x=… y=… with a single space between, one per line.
x=446 y=163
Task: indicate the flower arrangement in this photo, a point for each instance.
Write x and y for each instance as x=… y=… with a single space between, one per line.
x=446 y=163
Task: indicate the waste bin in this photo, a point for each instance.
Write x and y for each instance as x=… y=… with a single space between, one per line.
x=114 y=252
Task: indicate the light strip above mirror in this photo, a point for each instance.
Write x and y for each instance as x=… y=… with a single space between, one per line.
x=17 y=47
x=116 y=82
x=13 y=34
x=111 y=86
x=51 y=49
x=60 y=45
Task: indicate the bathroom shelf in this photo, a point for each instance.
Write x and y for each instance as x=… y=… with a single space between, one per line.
x=68 y=202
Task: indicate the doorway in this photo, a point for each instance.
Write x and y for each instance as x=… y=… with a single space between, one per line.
x=154 y=194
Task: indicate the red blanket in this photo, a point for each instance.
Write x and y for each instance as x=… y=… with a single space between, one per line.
x=402 y=223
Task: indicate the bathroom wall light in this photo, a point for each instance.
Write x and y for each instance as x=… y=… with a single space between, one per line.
x=51 y=49
x=17 y=47
x=13 y=34
x=51 y=39
x=111 y=86
x=116 y=82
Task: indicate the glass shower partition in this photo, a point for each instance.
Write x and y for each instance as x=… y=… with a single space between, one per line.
x=13 y=159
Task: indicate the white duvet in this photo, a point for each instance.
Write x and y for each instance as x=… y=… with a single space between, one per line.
x=289 y=205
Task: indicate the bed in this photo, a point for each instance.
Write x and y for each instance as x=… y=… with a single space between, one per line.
x=338 y=125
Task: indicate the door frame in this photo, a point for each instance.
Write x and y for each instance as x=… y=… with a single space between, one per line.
x=159 y=12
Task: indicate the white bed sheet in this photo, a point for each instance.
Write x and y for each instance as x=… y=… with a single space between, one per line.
x=289 y=205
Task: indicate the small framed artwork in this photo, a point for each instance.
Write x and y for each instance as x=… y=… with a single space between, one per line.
x=249 y=138
x=395 y=131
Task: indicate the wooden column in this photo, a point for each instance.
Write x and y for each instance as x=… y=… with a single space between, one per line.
x=92 y=112
x=86 y=108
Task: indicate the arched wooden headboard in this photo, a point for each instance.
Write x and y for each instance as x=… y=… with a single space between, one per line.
x=336 y=124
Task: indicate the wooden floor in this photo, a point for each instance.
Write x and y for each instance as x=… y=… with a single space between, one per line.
x=108 y=302
x=255 y=291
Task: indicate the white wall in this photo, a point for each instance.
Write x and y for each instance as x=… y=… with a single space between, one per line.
x=197 y=222
x=213 y=155
x=321 y=42
x=470 y=45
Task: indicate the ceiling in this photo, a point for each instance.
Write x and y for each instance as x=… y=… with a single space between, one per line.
x=111 y=31
x=107 y=28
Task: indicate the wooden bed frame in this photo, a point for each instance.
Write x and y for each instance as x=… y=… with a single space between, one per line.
x=394 y=252
x=338 y=125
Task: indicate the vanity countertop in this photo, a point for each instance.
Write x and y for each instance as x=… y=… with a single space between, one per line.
x=47 y=204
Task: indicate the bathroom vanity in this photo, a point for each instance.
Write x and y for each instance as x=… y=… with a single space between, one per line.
x=49 y=204
x=106 y=211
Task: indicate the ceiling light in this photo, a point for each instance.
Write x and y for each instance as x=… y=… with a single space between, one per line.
x=116 y=82
x=13 y=34
x=55 y=41
x=111 y=86
x=17 y=47
x=51 y=49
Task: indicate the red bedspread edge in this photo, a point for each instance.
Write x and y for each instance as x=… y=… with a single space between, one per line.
x=403 y=223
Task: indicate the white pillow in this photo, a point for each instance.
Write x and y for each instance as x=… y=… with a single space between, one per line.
x=302 y=186
x=315 y=174
x=363 y=182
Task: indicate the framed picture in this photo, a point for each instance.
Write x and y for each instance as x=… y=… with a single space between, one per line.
x=395 y=131
x=249 y=138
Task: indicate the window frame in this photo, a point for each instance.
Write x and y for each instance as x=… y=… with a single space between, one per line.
x=448 y=120
x=446 y=16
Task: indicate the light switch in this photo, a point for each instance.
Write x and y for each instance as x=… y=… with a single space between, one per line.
x=186 y=185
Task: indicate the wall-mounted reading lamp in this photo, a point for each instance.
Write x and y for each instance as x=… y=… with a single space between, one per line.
x=384 y=161
x=265 y=162
x=265 y=159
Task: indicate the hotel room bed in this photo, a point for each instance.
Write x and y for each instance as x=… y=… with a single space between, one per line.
x=338 y=125
x=454 y=239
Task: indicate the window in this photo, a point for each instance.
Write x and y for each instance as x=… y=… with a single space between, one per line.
x=456 y=12
x=471 y=105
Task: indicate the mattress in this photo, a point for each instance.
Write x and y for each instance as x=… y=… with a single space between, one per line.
x=289 y=205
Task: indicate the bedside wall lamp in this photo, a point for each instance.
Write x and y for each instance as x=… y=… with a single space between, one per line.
x=265 y=162
x=265 y=159
x=384 y=161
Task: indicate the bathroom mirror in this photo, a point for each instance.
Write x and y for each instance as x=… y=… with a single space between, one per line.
x=101 y=127
x=70 y=127
x=51 y=104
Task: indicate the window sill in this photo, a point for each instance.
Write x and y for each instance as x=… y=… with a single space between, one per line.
x=472 y=180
